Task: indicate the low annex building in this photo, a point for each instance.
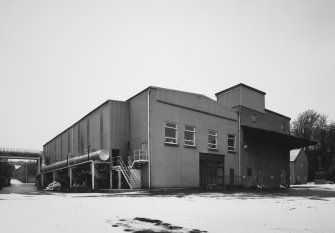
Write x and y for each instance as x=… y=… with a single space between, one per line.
x=298 y=167
x=162 y=138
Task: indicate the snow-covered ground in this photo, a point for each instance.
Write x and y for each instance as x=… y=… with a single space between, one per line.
x=308 y=208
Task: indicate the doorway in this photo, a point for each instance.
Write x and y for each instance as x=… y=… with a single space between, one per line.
x=114 y=175
x=211 y=170
x=283 y=176
x=259 y=177
x=231 y=177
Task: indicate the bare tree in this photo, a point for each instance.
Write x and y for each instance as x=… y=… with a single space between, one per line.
x=314 y=126
x=330 y=140
x=304 y=126
x=320 y=134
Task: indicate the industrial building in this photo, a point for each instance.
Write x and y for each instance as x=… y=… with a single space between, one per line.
x=162 y=138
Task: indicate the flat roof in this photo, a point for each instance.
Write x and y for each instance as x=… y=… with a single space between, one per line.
x=240 y=85
x=275 y=138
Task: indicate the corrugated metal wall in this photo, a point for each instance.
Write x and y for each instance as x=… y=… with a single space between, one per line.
x=107 y=127
x=94 y=130
x=119 y=126
x=139 y=120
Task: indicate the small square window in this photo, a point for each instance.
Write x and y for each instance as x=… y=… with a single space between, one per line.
x=253 y=118
x=189 y=135
x=212 y=140
x=231 y=143
x=171 y=133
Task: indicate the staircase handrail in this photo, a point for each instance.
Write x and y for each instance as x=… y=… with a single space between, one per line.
x=118 y=161
x=131 y=166
x=135 y=177
x=131 y=160
x=123 y=169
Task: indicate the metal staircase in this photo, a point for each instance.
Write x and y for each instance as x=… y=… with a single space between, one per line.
x=135 y=161
x=131 y=177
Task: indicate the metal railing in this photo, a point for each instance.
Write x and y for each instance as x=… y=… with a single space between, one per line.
x=138 y=156
x=132 y=175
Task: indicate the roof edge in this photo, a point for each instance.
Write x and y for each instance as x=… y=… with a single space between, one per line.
x=239 y=85
x=107 y=101
x=276 y=113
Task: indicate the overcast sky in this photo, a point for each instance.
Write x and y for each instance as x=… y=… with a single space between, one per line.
x=61 y=59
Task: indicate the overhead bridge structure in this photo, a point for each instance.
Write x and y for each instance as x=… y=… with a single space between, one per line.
x=16 y=153
x=26 y=154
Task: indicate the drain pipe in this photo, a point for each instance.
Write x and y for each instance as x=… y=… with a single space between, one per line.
x=239 y=145
x=149 y=151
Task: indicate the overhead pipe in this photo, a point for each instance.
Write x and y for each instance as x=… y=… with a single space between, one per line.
x=97 y=155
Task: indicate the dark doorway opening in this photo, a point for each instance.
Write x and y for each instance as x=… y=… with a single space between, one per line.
x=211 y=170
x=115 y=174
x=231 y=177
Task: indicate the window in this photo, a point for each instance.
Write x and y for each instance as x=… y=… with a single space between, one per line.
x=212 y=140
x=231 y=142
x=302 y=165
x=253 y=118
x=189 y=135
x=249 y=172
x=171 y=133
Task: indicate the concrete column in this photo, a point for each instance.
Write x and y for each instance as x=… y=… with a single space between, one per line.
x=93 y=175
x=119 y=176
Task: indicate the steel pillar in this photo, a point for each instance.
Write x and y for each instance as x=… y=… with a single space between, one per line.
x=119 y=176
x=70 y=176
x=111 y=179
x=93 y=175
